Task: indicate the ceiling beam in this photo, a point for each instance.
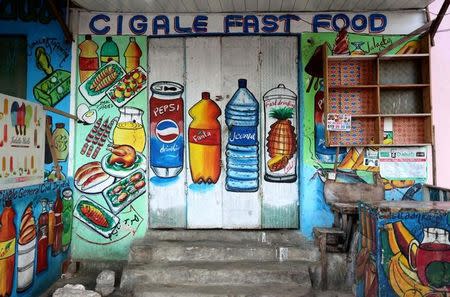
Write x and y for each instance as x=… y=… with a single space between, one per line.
x=67 y=33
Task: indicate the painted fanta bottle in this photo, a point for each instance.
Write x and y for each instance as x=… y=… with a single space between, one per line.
x=242 y=118
x=109 y=51
x=87 y=59
x=132 y=55
x=204 y=141
x=7 y=249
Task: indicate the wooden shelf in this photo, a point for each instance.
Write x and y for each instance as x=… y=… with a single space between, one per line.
x=404 y=86
x=365 y=115
x=366 y=86
x=404 y=57
x=384 y=145
x=408 y=115
x=357 y=58
x=353 y=87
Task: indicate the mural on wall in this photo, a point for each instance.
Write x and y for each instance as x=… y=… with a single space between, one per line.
x=353 y=164
x=280 y=126
x=242 y=150
x=110 y=146
x=35 y=237
x=404 y=254
x=166 y=129
x=205 y=147
x=22 y=142
x=48 y=71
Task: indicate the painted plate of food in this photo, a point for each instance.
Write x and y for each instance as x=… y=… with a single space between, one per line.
x=96 y=86
x=128 y=87
x=96 y=217
x=91 y=178
x=122 y=160
x=122 y=193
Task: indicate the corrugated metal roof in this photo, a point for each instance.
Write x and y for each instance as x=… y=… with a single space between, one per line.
x=195 y=6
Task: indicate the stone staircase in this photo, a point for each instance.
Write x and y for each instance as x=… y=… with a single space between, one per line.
x=220 y=263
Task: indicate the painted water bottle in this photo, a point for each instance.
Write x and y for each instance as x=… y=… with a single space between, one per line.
x=67 y=218
x=242 y=117
x=132 y=55
x=7 y=249
x=323 y=153
x=205 y=141
x=87 y=59
x=166 y=129
x=109 y=51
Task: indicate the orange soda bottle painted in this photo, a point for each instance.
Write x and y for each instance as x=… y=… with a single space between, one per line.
x=205 y=141
x=132 y=55
x=7 y=249
x=88 y=59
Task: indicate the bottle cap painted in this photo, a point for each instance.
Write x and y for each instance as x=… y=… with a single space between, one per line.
x=206 y=95
x=242 y=83
x=166 y=89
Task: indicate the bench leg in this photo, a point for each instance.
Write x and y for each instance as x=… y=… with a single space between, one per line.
x=323 y=260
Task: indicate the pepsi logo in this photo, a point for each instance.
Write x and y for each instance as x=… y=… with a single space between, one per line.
x=167 y=131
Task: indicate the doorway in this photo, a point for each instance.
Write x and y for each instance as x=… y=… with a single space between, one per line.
x=214 y=65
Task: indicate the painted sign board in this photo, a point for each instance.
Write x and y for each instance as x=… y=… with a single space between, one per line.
x=160 y=25
x=22 y=142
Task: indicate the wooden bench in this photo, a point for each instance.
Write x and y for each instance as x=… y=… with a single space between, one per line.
x=328 y=240
x=336 y=239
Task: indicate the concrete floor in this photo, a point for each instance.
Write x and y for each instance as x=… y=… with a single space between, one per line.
x=88 y=280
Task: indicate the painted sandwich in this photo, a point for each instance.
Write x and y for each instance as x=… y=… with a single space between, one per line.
x=91 y=178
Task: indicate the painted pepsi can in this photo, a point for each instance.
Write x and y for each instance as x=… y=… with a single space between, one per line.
x=166 y=128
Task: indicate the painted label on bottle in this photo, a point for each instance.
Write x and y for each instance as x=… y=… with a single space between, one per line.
x=242 y=135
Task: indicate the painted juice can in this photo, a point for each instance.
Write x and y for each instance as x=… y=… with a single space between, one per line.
x=166 y=129
x=280 y=130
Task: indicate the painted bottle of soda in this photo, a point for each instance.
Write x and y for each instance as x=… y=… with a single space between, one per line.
x=242 y=118
x=205 y=141
x=7 y=249
x=42 y=262
x=51 y=224
x=132 y=55
x=67 y=218
x=166 y=129
x=57 y=208
x=109 y=51
x=88 y=58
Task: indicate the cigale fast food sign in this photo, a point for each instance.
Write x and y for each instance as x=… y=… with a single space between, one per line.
x=163 y=25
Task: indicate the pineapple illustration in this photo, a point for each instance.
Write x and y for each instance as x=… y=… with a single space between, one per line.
x=282 y=140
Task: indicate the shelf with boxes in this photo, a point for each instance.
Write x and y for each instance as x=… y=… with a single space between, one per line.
x=387 y=98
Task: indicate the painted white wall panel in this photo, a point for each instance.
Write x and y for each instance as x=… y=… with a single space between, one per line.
x=279 y=66
x=240 y=59
x=204 y=202
x=167 y=197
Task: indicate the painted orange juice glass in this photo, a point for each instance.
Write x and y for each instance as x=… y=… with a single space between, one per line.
x=129 y=129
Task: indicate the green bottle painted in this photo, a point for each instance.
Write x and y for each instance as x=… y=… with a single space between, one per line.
x=109 y=51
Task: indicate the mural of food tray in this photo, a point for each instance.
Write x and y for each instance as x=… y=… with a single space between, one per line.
x=96 y=86
x=96 y=217
x=124 y=192
x=128 y=87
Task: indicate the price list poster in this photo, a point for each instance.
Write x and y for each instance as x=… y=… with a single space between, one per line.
x=21 y=142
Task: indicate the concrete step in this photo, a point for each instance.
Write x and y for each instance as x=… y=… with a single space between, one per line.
x=285 y=237
x=148 y=251
x=269 y=290
x=216 y=273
